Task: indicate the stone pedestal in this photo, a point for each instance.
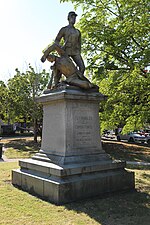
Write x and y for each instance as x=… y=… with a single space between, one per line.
x=71 y=164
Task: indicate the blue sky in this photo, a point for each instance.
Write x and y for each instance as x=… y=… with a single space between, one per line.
x=27 y=27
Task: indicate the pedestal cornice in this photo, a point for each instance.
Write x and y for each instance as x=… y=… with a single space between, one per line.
x=71 y=94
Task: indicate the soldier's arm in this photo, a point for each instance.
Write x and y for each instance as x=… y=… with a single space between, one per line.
x=55 y=46
x=59 y=36
x=47 y=52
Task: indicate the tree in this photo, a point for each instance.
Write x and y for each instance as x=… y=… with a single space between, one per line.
x=115 y=42
x=22 y=91
x=3 y=99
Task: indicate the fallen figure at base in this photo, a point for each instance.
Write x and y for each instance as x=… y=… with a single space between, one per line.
x=64 y=65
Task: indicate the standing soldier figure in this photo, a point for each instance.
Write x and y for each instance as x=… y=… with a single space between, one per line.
x=72 y=43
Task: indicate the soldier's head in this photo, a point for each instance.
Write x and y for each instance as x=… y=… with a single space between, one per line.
x=72 y=17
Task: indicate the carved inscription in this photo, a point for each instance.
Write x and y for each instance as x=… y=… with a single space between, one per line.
x=83 y=128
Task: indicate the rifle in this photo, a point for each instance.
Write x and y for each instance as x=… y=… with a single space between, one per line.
x=51 y=78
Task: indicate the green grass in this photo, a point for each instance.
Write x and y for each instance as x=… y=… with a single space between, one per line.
x=25 y=148
x=18 y=207
x=21 y=148
x=127 y=151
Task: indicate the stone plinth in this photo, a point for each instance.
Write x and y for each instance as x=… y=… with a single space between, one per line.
x=71 y=128
x=71 y=164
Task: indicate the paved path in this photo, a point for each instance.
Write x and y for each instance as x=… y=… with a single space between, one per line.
x=138 y=163
x=4 y=159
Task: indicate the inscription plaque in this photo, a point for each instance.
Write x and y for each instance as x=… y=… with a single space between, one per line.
x=83 y=126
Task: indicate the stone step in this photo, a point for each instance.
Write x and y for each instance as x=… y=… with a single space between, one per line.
x=66 y=160
x=72 y=188
x=69 y=170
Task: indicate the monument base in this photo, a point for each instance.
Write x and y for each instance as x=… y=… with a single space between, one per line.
x=71 y=164
x=63 y=184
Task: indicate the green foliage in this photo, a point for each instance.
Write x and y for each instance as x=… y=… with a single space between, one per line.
x=3 y=98
x=115 y=37
x=19 y=100
x=128 y=101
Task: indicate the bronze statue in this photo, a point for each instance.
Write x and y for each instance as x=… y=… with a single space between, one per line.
x=64 y=65
x=71 y=50
x=72 y=42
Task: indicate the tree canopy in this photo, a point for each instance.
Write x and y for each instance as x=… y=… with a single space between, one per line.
x=3 y=102
x=115 y=37
x=22 y=90
x=18 y=96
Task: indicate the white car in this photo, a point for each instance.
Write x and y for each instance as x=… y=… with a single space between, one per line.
x=148 y=139
x=132 y=137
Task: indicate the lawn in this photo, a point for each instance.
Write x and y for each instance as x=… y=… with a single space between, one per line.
x=127 y=151
x=130 y=208
x=18 y=207
x=25 y=148
x=20 y=147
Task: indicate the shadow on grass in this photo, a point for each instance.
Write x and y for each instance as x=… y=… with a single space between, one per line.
x=128 y=208
x=22 y=145
x=118 y=209
x=126 y=151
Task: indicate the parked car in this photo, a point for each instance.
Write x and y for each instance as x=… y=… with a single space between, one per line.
x=148 y=139
x=146 y=132
x=132 y=137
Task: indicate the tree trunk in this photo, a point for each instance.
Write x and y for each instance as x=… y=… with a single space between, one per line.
x=35 y=130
